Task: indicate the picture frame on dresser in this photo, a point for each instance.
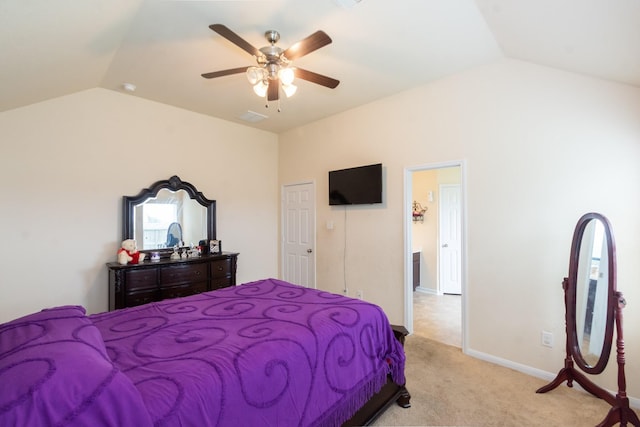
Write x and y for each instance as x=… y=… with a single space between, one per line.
x=215 y=246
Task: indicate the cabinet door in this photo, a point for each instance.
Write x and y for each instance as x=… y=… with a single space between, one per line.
x=416 y=270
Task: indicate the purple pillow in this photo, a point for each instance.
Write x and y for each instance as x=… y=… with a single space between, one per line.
x=54 y=370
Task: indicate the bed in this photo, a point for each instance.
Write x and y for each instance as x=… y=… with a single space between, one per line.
x=265 y=353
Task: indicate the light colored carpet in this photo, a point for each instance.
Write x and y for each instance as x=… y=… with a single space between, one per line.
x=449 y=388
x=438 y=317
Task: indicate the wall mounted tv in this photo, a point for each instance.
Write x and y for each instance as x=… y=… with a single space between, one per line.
x=361 y=185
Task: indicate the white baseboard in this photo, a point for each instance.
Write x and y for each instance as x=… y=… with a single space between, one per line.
x=534 y=372
x=427 y=291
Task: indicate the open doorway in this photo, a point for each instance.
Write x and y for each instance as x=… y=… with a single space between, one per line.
x=434 y=251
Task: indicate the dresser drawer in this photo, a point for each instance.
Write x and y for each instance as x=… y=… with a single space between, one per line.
x=220 y=268
x=184 y=273
x=140 y=279
x=183 y=290
x=139 y=298
x=219 y=283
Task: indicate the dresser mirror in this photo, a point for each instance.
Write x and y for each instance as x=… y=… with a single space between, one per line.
x=167 y=214
x=593 y=308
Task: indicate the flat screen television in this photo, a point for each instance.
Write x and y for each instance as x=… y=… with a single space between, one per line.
x=361 y=185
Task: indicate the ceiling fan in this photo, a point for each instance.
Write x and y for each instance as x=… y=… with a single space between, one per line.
x=274 y=69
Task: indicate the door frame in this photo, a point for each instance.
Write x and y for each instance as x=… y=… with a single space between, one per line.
x=408 y=250
x=314 y=237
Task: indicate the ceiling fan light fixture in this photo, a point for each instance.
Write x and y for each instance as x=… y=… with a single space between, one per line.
x=260 y=88
x=289 y=89
x=274 y=73
x=286 y=75
x=254 y=75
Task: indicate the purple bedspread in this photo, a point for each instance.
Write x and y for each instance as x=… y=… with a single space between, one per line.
x=266 y=353
x=54 y=371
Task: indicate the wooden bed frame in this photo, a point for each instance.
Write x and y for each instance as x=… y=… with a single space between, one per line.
x=380 y=401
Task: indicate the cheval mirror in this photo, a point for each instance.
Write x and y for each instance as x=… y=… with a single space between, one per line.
x=593 y=307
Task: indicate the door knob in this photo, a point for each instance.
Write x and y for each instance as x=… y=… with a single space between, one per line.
x=309 y=251
x=446 y=245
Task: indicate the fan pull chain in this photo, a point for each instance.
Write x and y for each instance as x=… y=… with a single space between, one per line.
x=266 y=103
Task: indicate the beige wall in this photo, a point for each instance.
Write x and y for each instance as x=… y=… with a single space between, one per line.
x=541 y=147
x=67 y=162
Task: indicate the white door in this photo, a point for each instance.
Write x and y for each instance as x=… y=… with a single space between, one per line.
x=298 y=234
x=450 y=239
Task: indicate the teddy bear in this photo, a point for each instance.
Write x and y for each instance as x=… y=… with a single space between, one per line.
x=129 y=254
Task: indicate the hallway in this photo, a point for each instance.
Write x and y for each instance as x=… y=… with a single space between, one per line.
x=438 y=317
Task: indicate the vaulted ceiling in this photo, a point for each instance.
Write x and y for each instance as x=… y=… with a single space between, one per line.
x=50 y=48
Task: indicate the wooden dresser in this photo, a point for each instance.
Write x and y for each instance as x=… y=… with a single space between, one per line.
x=131 y=285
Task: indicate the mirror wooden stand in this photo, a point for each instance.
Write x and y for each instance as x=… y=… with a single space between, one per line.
x=593 y=306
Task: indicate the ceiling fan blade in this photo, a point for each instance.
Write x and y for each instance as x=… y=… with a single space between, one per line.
x=273 y=92
x=312 y=77
x=235 y=39
x=224 y=72
x=314 y=42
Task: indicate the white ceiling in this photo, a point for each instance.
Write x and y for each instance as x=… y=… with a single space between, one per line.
x=50 y=48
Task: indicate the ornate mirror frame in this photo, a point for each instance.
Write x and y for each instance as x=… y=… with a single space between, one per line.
x=174 y=184
x=575 y=265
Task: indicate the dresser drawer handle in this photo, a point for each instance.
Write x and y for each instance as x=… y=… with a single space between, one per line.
x=220 y=268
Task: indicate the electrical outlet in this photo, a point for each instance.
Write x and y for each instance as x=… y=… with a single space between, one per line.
x=359 y=294
x=547 y=339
